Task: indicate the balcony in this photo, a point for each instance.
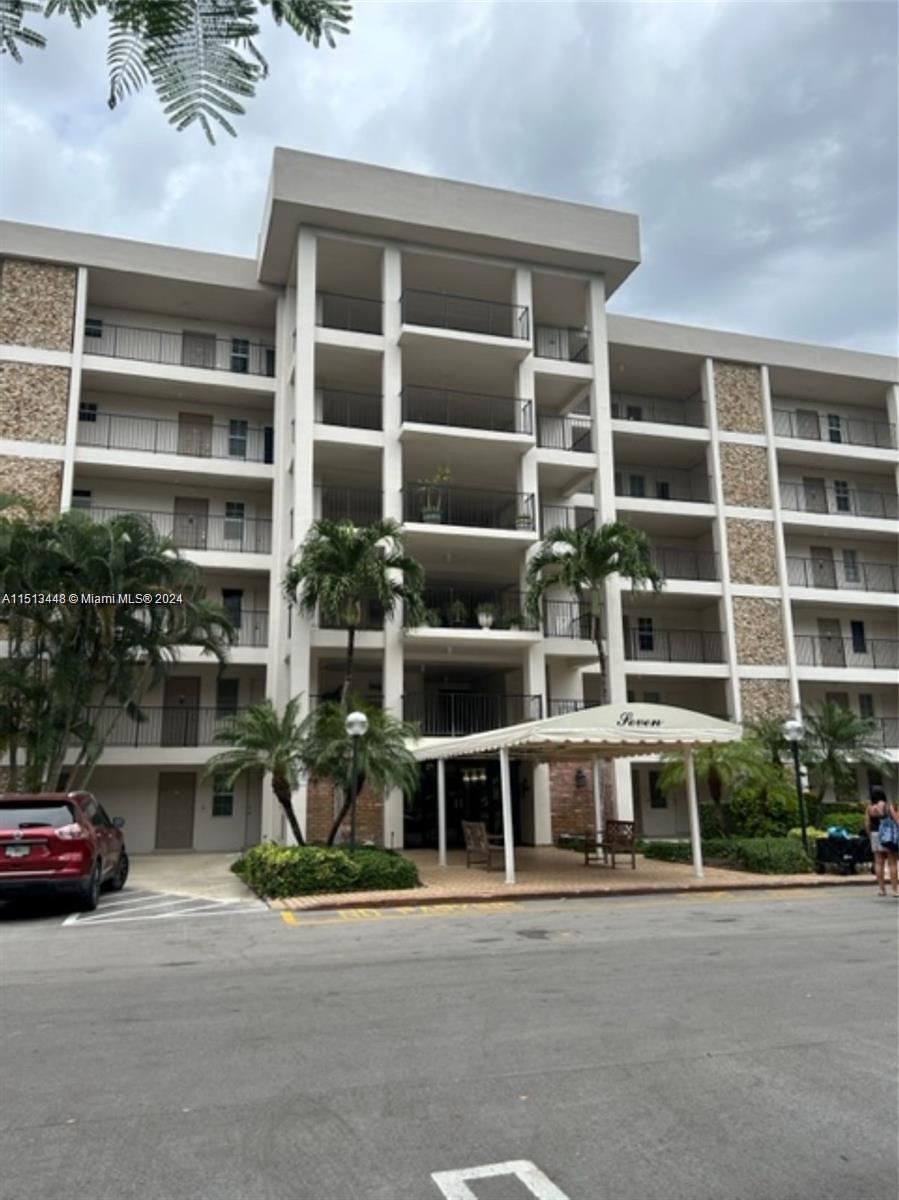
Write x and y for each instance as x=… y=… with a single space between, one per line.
x=830 y=572
x=196 y=437
x=477 y=608
x=190 y=531
x=468 y=314
x=658 y=410
x=564 y=433
x=483 y=508
x=466 y=410
x=563 y=516
x=886 y=731
x=370 y=617
x=355 y=314
x=559 y=342
x=816 y=497
x=674 y=484
x=361 y=506
x=816 y=650
x=185 y=348
x=352 y=410
x=834 y=429
x=676 y=563
x=250 y=627
x=674 y=645
x=567 y=619
x=452 y=714
x=162 y=725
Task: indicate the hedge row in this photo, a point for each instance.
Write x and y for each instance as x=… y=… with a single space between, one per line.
x=277 y=871
x=762 y=856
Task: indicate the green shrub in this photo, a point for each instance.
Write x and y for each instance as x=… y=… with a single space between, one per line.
x=765 y=856
x=754 y=812
x=713 y=820
x=811 y=832
x=277 y=871
x=678 y=852
x=854 y=822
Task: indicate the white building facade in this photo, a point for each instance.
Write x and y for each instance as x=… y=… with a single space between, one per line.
x=441 y=354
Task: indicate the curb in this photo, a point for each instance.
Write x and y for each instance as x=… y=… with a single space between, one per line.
x=358 y=899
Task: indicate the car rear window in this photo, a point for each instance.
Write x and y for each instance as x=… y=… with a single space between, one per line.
x=31 y=815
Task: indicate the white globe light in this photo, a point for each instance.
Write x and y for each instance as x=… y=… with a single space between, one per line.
x=793 y=730
x=356 y=724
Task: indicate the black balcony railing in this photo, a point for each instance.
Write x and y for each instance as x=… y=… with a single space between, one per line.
x=466 y=410
x=236 y=440
x=477 y=608
x=829 y=572
x=451 y=714
x=181 y=348
x=851 y=501
x=886 y=731
x=355 y=410
x=833 y=428
x=163 y=725
x=469 y=314
x=646 y=484
x=561 y=707
x=443 y=504
x=658 y=410
x=562 y=342
x=356 y=314
x=189 y=531
x=817 y=650
x=362 y=506
x=674 y=645
x=567 y=618
x=563 y=516
x=564 y=433
x=250 y=627
x=673 y=562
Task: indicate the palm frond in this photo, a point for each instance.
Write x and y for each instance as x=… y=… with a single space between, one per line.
x=12 y=31
x=78 y=10
x=314 y=19
x=125 y=59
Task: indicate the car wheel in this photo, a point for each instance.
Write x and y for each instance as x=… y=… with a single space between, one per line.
x=90 y=893
x=117 y=882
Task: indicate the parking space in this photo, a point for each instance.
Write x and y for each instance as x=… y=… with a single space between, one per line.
x=141 y=905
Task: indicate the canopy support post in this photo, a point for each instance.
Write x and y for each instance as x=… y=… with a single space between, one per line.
x=598 y=809
x=441 y=812
x=693 y=812
x=508 y=832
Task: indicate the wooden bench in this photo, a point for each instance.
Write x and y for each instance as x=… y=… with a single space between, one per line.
x=480 y=846
x=618 y=837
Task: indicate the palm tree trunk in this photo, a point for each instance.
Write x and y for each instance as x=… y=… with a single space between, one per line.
x=348 y=671
x=281 y=788
x=341 y=816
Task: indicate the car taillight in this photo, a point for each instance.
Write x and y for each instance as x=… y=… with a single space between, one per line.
x=70 y=832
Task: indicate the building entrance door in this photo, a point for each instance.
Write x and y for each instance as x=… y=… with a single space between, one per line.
x=815 y=494
x=830 y=638
x=824 y=572
x=175 y=810
x=194 y=435
x=180 y=710
x=191 y=523
x=472 y=794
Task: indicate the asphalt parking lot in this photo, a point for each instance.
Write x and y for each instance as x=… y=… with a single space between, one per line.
x=729 y=1047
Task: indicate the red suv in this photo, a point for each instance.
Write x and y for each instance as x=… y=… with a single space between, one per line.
x=60 y=842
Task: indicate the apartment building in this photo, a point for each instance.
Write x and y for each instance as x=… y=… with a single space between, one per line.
x=442 y=354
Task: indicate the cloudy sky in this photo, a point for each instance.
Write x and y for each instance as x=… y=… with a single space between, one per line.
x=757 y=141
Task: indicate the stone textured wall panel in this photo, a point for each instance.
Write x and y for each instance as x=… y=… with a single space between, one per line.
x=758 y=627
x=36 y=479
x=33 y=402
x=738 y=398
x=744 y=474
x=37 y=304
x=750 y=546
x=765 y=698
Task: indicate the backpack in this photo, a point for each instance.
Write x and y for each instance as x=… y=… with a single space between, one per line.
x=888 y=831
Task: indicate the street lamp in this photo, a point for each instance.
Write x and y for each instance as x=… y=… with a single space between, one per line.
x=356 y=725
x=793 y=731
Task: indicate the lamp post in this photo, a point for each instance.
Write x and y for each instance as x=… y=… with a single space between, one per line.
x=793 y=731
x=356 y=725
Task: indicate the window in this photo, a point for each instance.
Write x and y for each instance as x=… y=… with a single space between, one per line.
x=93 y=327
x=850 y=566
x=232 y=599
x=237 y=439
x=859 y=643
x=240 y=355
x=841 y=494
x=834 y=427
x=634 y=412
x=645 y=637
x=865 y=705
x=663 y=490
x=657 y=798
x=638 y=485
x=226 y=696
x=87 y=412
x=222 y=797
x=234 y=516
x=269 y=352
x=81 y=498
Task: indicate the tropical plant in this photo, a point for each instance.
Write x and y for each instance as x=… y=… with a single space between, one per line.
x=340 y=566
x=722 y=766
x=384 y=758
x=836 y=741
x=74 y=669
x=769 y=731
x=200 y=56
x=263 y=741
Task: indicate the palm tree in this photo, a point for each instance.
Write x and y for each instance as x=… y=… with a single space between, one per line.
x=263 y=741
x=385 y=760
x=340 y=566
x=723 y=767
x=836 y=741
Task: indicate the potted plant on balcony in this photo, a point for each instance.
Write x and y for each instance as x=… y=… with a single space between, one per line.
x=524 y=520
x=432 y=618
x=458 y=612
x=514 y=620
x=486 y=612
x=433 y=496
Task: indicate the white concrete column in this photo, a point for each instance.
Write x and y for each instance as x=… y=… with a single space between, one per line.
x=508 y=832
x=534 y=678
x=693 y=814
x=74 y=402
x=441 y=811
x=597 y=797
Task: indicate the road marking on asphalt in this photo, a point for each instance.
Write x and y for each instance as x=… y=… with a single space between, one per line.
x=337 y=916
x=453 y=1184
x=160 y=906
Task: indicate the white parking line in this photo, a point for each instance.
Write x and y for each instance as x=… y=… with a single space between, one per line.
x=150 y=906
x=224 y=908
x=454 y=1187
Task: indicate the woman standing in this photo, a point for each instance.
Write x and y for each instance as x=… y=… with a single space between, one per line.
x=877 y=815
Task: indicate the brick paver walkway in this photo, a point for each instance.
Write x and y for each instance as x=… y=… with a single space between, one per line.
x=546 y=872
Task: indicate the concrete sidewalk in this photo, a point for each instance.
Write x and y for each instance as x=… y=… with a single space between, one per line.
x=547 y=873
x=205 y=876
